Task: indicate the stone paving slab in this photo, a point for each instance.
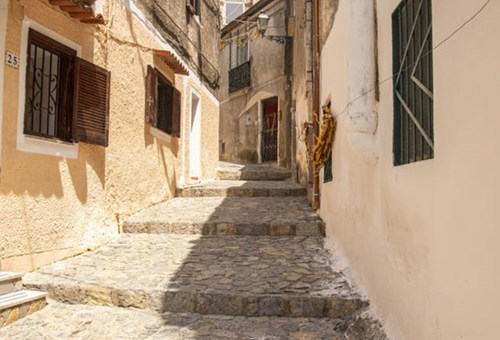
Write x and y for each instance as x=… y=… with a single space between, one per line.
x=263 y=216
x=62 y=321
x=229 y=171
x=228 y=188
x=247 y=276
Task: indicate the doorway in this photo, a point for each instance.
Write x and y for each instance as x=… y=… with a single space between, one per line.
x=195 y=138
x=269 y=141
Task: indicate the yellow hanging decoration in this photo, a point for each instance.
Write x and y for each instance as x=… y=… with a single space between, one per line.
x=324 y=142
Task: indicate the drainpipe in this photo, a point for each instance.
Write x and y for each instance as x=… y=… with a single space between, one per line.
x=316 y=94
x=289 y=88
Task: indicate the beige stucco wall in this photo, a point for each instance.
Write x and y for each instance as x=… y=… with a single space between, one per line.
x=423 y=238
x=52 y=207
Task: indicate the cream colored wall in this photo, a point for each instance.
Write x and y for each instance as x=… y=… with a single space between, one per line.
x=423 y=238
x=52 y=207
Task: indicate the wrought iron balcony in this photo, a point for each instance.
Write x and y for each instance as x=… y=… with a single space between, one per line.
x=240 y=77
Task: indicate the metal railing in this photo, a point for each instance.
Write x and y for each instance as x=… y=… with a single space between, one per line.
x=240 y=77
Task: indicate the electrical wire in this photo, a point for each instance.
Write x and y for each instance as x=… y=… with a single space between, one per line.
x=458 y=29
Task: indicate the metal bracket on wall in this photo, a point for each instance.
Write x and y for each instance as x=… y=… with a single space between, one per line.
x=278 y=38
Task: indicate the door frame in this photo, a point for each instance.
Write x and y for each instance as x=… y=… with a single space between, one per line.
x=195 y=114
x=261 y=125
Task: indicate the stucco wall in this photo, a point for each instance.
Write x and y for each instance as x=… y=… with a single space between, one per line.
x=241 y=140
x=423 y=238
x=52 y=207
x=302 y=84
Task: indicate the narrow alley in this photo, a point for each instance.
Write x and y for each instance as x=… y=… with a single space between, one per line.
x=230 y=259
x=249 y=169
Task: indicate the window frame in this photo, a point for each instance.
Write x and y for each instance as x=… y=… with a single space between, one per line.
x=29 y=143
x=234 y=47
x=233 y=2
x=413 y=99
x=65 y=94
x=173 y=114
x=84 y=132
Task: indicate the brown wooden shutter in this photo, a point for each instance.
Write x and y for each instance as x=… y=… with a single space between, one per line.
x=152 y=96
x=91 y=110
x=176 y=113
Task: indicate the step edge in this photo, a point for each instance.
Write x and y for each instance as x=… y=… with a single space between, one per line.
x=82 y=287
x=10 y=276
x=20 y=297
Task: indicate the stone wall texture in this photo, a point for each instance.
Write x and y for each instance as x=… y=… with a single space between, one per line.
x=241 y=116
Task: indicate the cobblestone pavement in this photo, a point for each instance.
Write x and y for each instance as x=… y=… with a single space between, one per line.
x=210 y=275
x=258 y=216
x=62 y=321
x=242 y=189
x=167 y=279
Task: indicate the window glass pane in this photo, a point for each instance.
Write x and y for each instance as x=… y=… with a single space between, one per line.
x=42 y=89
x=233 y=11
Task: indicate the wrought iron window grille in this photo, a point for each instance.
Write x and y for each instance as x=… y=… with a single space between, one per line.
x=413 y=138
x=240 y=77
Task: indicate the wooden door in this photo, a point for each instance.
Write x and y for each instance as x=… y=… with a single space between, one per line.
x=270 y=119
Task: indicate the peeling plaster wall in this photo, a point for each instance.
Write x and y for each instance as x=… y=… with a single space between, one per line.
x=301 y=85
x=52 y=207
x=423 y=238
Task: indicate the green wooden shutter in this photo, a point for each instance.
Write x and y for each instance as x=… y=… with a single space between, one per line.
x=413 y=82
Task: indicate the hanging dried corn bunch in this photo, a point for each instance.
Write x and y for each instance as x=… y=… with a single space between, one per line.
x=324 y=141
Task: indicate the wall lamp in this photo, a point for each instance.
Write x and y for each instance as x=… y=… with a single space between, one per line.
x=262 y=24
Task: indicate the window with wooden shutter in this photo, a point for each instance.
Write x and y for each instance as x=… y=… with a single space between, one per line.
x=163 y=103
x=49 y=88
x=67 y=98
x=151 y=96
x=91 y=120
x=413 y=82
x=176 y=113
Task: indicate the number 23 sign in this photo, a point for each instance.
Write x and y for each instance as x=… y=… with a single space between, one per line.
x=12 y=59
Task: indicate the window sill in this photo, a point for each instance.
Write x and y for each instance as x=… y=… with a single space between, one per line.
x=33 y=144
x=161 y=135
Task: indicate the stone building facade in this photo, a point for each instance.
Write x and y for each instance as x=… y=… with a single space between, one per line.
x=254 y=93
x=61 y=195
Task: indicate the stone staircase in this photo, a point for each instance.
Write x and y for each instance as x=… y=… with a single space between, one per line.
x=16 y=303
x=237 y=258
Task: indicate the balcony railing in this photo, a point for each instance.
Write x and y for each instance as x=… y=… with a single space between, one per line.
x=240 y=77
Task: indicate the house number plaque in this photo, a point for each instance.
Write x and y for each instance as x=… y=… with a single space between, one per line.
x=12 y=59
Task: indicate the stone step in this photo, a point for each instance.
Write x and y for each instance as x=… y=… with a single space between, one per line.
x=10 y=282
x=228 y=171
x=242 y=189
x=265 y=216
x=63 y=321
x=238 y=276
x=19 y=304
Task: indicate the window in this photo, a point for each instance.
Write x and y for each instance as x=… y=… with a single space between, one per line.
x=194 y=7
x=240 y=68
x=413 y=82
x=163 y=103
x=233 y=9
x=238 y=53
x=67 y=98
x=327 y=170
